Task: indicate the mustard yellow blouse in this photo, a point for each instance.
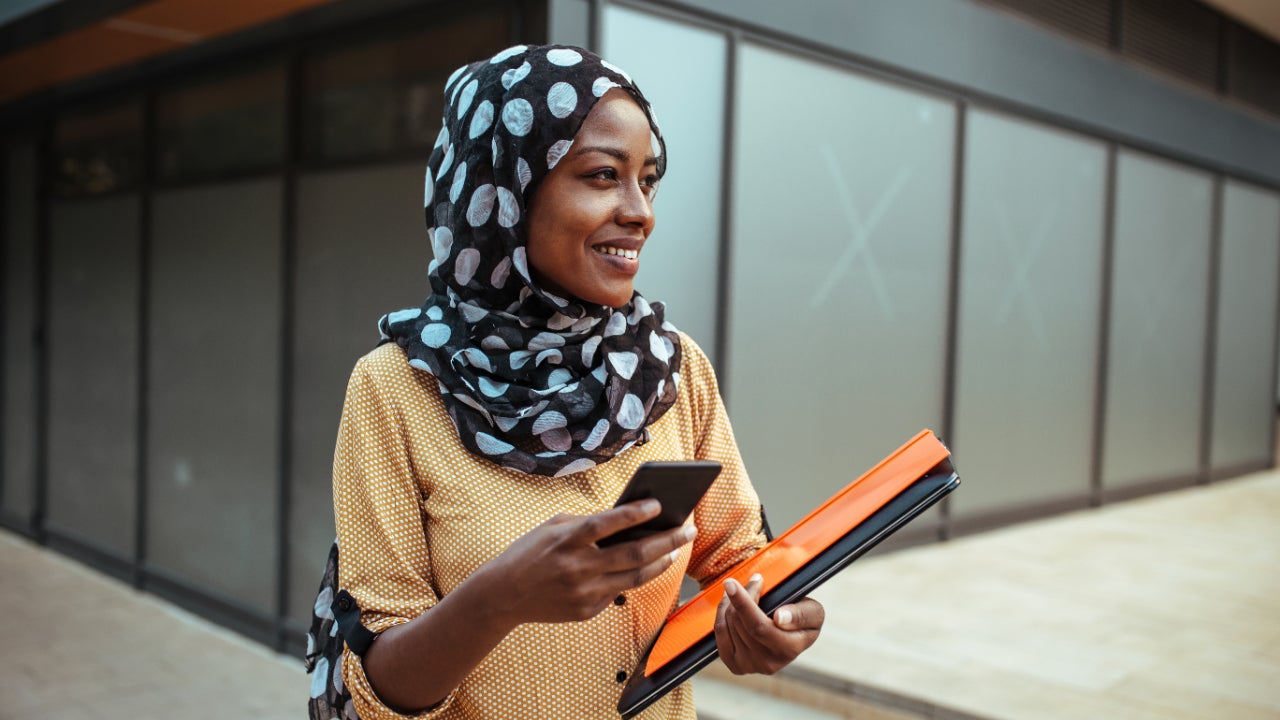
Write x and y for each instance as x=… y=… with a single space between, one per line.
x=416 y=514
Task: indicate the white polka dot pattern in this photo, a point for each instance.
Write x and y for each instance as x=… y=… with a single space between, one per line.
x=509 y=121
x=417 y=514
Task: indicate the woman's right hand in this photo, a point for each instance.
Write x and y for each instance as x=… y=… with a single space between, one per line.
x=553 y=573
x=557 y=573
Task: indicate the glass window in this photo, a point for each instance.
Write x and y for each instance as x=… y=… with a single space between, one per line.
x=687 y=89
x=228 y=125
x=1159 y=301
x=386 y=97
x=1030 y=286
x=345 y=286
x=98 y=150
x=93 y=371
x=1243 y=407
x=840 y=269
x=213 y=396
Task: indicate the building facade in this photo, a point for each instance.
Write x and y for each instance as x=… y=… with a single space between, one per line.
x=1053 y=238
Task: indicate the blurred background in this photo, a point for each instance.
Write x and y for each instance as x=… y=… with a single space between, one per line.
x=1049 y=230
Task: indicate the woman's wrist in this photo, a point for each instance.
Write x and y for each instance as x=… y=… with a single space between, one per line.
x=490 y=599
x=407 y=666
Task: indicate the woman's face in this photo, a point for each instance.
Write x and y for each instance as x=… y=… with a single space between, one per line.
x=592 y=213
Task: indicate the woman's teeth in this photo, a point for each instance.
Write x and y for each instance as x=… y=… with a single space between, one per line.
x=607 y=250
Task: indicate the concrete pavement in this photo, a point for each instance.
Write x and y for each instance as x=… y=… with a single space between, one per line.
x=1165 y=607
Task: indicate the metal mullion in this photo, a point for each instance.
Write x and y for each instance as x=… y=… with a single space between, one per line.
x=1208 y=375
x=950 y=360
x=6 y=151
x=44 y=266
x=1104 y=328
x=288 y=283
x=595 y=25
x=145 y=231
x=1275 y=371
x=724 y=267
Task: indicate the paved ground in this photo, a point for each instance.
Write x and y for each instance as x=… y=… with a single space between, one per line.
x=1166 y=607
x=80 y=645
x=1162 y=608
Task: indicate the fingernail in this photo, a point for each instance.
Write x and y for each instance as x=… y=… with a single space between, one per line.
x=651 y=505
x=756 y=578
x=690 y=533
x=672 y=556
x=730 y=587
x=784 y=617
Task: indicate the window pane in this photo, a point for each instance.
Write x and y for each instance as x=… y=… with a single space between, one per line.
x=1159 y=296
x=20 y=290
x=1243 y=407
x=98 y=151
x=682 y=259
x=842 y=204
x=93 y=370
x=384 y=97
x=213 y=398
x=1027 y=353
x=232 y=124
x=362 y=252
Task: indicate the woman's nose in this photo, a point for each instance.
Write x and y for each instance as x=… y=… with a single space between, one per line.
x=635 y=207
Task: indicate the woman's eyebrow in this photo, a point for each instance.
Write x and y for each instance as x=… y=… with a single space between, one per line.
x=618 y=153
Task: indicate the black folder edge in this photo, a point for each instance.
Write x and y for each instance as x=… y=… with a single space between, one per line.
x=641 y=691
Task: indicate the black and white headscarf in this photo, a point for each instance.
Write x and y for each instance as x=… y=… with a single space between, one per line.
x=534 y=382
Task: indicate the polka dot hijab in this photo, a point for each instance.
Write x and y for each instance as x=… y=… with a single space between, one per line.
x=537 y=383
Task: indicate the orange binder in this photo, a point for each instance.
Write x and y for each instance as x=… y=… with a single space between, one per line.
x=850 y=523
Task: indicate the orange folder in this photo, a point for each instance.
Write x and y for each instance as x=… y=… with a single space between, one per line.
x=887 y=496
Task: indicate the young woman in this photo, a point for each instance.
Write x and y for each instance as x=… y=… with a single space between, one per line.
x=483 y=445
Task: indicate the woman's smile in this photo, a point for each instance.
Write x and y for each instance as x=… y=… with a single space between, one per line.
x=617 y=252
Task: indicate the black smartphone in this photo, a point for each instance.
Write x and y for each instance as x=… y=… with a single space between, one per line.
x=678 y=486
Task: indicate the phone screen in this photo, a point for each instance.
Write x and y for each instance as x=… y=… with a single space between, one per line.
x=678 y=486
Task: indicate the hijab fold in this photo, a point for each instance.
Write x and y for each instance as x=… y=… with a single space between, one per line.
x=534 y=382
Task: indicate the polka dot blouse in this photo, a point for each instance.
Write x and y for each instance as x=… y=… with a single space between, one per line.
x=417 y=514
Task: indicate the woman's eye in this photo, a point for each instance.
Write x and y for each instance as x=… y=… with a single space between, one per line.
x=605 y=174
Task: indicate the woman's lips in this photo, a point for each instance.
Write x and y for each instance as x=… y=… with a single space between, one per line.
x=621 y=260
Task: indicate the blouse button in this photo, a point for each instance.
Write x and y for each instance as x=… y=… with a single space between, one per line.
x=622 y=676
x=620 y=600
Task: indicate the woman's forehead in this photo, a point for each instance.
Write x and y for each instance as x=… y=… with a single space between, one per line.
x=616 y=120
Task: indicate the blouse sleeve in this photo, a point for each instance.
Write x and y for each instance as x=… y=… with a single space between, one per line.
x=729 y=518
x=384 y=558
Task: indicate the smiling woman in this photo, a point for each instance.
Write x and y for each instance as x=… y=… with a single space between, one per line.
x=484 y=443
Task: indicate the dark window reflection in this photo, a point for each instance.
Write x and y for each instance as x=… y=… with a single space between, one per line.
x=383 y=98
x=227 y=126
x=98 y=151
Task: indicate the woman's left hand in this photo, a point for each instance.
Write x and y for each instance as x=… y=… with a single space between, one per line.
x=750 y=641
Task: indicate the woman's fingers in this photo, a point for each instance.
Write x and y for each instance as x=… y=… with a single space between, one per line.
x=724 y=639
x=602 y=525
x=636 y=563
x=806 y=615
x=638 y=553
x=750 y=641
x=750 y=626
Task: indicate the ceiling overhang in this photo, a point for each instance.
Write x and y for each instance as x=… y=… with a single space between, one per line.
x=135 y=33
